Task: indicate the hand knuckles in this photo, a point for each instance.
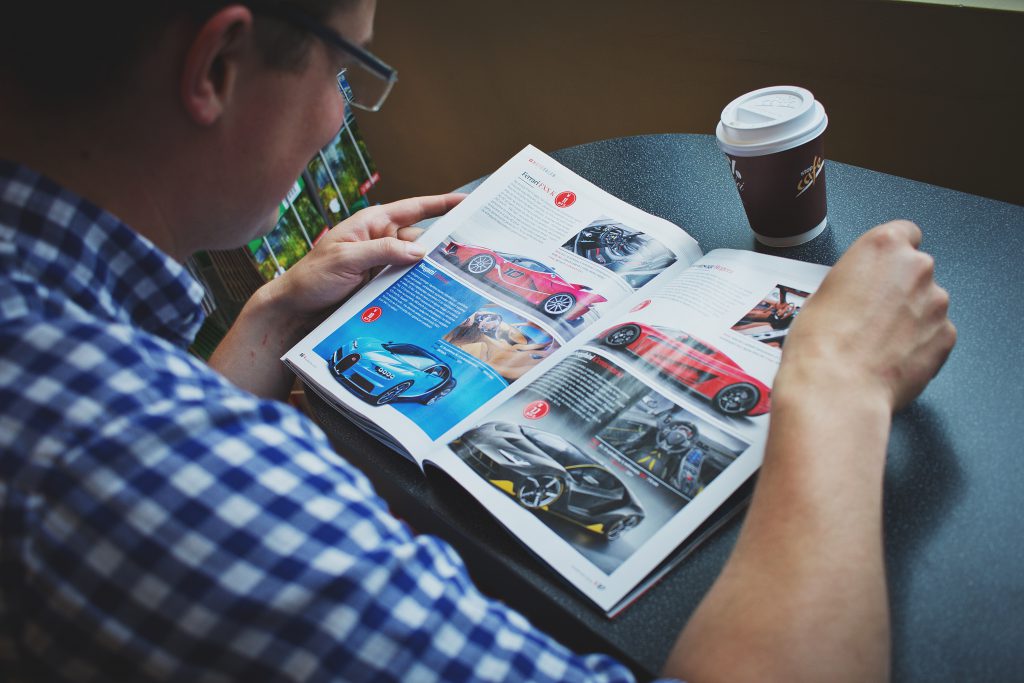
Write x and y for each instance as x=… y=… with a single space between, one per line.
x=392 y=247
x=925 y=263
x=886 y=238
x=951 y=334
x=339 y=251
x=880 y=236
x=908 y=227
x=894 y=234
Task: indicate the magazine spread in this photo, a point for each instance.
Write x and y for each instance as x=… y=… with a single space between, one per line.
x=574 y=363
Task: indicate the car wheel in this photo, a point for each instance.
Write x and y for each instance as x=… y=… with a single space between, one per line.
x=480 y=265
x=611 y=236
x=442 y=392
x=622 y=336
x=621 y=526
x=537 y=492
x=737 y=399
x=558 y=304
x=393 y=393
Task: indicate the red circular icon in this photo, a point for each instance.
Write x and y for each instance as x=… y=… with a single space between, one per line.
x=536 y=410
x=565 y=199
x=371 y=314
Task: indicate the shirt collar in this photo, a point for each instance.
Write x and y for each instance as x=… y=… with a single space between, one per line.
x=66 y=243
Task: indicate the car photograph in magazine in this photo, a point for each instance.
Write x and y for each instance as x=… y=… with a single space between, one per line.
x=600 y=456
x=405 y=351
x=769 y=321
x=637 y=257
x=575 y=364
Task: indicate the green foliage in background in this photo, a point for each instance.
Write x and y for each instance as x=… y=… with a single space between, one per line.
x=322 y=177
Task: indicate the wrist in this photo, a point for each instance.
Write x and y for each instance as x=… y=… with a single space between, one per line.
x=835 y=400
x=827 y=442
x=823 y=368
x=264 y=331
x=277 y=313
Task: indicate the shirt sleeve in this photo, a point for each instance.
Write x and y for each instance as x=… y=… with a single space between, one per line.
x=221 y=539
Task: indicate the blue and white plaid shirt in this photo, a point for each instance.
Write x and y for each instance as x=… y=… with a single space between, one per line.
x=160 y=524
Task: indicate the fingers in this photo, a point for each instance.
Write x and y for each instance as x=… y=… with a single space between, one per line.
x=948 y=337
x=899 y=231
x=359 y=257
x=946 y=334
x=409 y=234
x=406 y=212
x=389 y=220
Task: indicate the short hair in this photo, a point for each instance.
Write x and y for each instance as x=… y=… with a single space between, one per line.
x=75 y=50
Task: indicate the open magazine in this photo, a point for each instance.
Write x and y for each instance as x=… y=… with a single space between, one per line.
x=575 y=364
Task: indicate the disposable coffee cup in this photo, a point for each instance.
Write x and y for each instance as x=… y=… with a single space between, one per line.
x=773 y=138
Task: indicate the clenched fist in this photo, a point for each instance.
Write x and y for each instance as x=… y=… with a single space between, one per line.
x=877 y=325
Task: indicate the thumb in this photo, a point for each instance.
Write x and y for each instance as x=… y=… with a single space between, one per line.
x=383 y=251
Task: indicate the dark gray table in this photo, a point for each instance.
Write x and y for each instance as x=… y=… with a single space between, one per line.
x=954 y=536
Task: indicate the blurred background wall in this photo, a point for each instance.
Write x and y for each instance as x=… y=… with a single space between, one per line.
x=929 y=92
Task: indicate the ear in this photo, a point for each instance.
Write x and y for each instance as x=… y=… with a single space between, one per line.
x=212 y=62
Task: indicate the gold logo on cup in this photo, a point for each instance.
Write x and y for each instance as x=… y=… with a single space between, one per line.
x=809 y=175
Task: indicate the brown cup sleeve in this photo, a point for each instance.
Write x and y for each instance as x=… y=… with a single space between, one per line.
x=783 y=194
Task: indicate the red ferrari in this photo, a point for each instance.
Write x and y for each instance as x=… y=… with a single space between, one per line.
x=530 y=280
x=699 y=367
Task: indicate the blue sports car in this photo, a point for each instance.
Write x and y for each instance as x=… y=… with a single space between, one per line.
x=384 y=372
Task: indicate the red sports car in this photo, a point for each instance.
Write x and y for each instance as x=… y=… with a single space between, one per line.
x=699 y=367
x=530 y=280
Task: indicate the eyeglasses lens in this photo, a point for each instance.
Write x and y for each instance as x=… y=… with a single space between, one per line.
x=364 y=88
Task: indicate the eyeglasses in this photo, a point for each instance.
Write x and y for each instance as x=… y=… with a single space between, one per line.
x=366 y=84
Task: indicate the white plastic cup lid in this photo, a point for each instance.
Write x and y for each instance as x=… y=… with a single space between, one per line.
x=770 y=120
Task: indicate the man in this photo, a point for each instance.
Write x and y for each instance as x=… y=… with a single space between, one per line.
x=162 y=523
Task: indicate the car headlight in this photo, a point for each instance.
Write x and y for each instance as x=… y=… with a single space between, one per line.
x=513 y=458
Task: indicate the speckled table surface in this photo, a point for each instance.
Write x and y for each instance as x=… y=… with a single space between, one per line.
x=954 y=537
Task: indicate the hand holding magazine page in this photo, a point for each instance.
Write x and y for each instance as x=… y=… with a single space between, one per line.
x=574 y=363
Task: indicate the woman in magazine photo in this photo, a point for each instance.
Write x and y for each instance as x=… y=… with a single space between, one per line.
x=501 y=345
x=164 y=519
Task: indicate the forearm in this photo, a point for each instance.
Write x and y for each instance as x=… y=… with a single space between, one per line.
x=249 y=356
x=803 y=596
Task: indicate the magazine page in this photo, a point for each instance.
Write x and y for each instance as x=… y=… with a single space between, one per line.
x=608 y=460
x=532 y=258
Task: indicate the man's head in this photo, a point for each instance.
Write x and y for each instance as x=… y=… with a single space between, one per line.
x=187 y=118
x=74 y=52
